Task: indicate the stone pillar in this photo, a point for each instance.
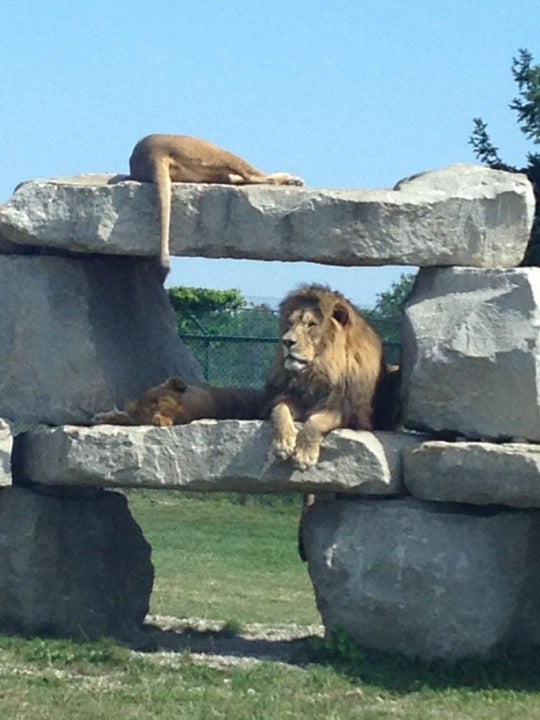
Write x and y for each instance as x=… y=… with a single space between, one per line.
x=73 y=563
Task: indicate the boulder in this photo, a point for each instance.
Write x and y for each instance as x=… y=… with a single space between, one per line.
x=471 y=353
x=461 y=215
x=75 y=566
x=474 y=472
x=83 y=335
x=423 y=579
x=220 y=455
x=6 y=442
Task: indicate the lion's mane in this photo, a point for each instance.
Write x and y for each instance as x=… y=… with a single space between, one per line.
x=347 y=366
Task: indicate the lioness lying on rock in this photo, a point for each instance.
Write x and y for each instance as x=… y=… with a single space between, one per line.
x=174 y=402
x=164 y=159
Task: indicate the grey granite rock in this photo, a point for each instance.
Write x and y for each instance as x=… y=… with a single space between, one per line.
x=424 y=579
x=83 y=335
x=474 y=472
x=471 y=353
x=75 y=566
x=224 y=455
x=461 y=215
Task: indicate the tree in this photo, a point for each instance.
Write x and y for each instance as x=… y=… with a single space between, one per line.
x=527 y=107
x=221 y=312
x=387 y=314
x=201 y=310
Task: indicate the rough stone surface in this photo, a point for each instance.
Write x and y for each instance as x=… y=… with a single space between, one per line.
x=424 y=580
x=74 y=566
x=83 y=335
x=471 y=353
x=461 y=215
x=6 y=442
x=473 y=472
x=225 y=455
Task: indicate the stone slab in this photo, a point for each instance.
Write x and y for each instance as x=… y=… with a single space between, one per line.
x=471 y=353
x=424 y=579
x=82 y=335
x=6 y=442
x=207 y=455
x=461 y=215
x=474 y=472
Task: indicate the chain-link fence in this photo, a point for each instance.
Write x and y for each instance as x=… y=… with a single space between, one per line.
x=245 y=361
x=227 y=360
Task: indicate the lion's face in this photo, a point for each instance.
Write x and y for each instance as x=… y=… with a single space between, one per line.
x=307 y=331
x=162 y=405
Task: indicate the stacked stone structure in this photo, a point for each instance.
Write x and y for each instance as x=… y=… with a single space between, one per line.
x=431 y=547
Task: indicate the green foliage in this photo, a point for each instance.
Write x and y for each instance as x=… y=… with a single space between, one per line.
x=221 y=312
x=250 y=547
x=387 y=314
x=205 y=316
x=527 y=106
x=193 y=306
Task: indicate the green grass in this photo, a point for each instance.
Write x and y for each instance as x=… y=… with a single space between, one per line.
x=237 y=564
x=226 y=561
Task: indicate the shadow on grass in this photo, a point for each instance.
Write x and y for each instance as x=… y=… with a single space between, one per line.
x=225 y=642
x=505 y=670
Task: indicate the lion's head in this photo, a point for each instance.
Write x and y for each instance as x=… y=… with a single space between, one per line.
x=163 y=405
x=326 y=348
x=315 y=324
x=174 y=402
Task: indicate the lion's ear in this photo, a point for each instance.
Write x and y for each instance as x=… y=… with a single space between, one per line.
x=176 y=383
x=341 y=313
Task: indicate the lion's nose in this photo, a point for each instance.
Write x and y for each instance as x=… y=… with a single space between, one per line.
x=288 y=342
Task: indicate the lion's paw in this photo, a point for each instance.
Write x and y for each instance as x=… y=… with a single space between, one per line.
x=305 y=458
x=283 y=447
x=307 y=451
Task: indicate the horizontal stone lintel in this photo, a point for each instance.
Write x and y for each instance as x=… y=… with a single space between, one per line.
x=462 y=215
x=475 y=473
x=207 y=455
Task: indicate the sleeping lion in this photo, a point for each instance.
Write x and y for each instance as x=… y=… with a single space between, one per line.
x=174 y=402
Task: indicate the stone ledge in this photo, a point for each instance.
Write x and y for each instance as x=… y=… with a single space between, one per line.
x=478 y=473
x=6 y=442
x=207 y=455
x=461 y=215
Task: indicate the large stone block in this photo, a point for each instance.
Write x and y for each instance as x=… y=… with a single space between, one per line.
x=474 y=472
x=423 y=579
x=471 y=353
x=225 y=455
x=82 y=335
x=6 y=442
x=462 y=215
x=75 y=566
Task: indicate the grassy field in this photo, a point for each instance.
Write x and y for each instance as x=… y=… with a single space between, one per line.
x=237 y=564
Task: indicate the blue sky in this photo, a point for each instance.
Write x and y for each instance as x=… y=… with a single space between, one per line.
x=347 y=94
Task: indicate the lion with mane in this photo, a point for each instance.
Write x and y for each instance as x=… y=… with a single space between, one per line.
x=328 y=373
